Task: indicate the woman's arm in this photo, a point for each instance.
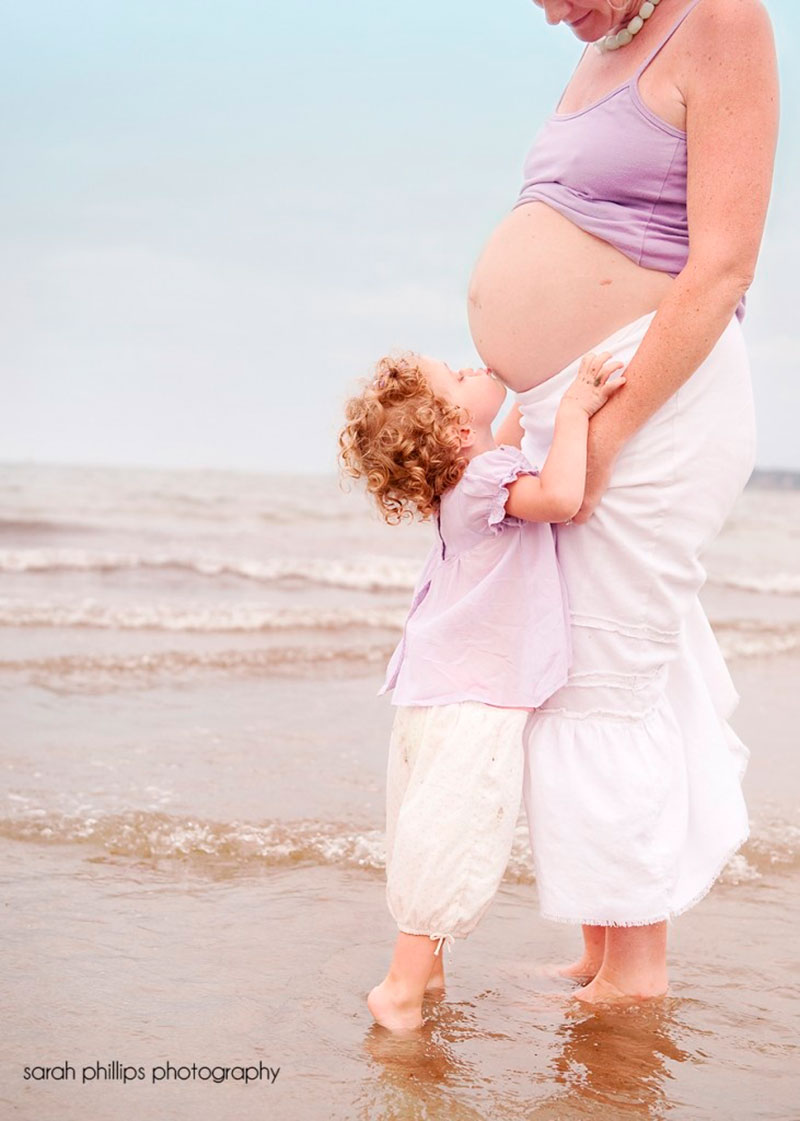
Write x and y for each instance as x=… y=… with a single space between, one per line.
x=731 y=90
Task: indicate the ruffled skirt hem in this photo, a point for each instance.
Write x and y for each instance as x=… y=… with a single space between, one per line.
x=663 y=917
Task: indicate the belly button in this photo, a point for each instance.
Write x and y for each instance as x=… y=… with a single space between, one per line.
x=603 y=283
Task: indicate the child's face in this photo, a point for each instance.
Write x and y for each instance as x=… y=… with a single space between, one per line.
x=477 y=391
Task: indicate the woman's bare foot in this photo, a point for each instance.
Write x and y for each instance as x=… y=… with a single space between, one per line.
x=603 y=991
x=584 y=969
x=634 y=966
x=588 y=964
x=393 y=1010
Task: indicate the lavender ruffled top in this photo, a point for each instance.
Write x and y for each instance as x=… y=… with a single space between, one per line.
x=489 y=619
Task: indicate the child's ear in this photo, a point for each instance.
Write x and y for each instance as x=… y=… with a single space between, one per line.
x=467 y=436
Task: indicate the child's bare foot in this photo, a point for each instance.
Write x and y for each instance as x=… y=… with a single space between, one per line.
x=392 y=1010
x=603 y=991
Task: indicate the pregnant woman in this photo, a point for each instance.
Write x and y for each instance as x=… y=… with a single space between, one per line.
x=637 y=232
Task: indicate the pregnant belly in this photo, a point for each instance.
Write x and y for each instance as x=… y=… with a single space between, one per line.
x=544 y=292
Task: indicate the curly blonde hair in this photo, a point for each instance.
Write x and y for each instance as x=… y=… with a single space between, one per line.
x=402 y=440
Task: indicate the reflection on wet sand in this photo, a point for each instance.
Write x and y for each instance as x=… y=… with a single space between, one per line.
x=419 y=1076
x=605 y=1061
x=619 y=1057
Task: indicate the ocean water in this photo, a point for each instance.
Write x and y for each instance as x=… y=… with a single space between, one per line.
x=192 y=758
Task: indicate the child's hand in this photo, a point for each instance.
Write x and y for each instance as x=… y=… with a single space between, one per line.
x=591 y=388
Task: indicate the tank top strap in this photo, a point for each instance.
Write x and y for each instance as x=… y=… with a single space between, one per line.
x=689 y=7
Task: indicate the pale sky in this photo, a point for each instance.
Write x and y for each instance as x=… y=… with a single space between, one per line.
x=218 y=215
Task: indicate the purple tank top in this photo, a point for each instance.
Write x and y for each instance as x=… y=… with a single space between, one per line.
x=618 y=171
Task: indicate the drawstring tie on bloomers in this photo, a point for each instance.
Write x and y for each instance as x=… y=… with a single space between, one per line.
x=448 y=940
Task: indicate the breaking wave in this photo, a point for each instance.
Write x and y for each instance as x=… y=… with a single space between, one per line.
x=194 y=616
x=151 y=835
x=367 y=573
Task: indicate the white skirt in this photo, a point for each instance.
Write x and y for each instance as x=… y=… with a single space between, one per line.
x=632 y=774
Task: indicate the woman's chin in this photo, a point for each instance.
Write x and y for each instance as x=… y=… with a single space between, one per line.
x=588 y=30
x=588 y=34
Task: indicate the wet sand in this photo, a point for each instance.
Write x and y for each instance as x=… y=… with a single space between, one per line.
x=120 y=946
x=145 y=968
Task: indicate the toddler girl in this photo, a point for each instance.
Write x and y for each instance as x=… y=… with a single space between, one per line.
x=486 y=639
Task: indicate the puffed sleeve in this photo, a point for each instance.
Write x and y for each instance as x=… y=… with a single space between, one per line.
x=485 y=487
